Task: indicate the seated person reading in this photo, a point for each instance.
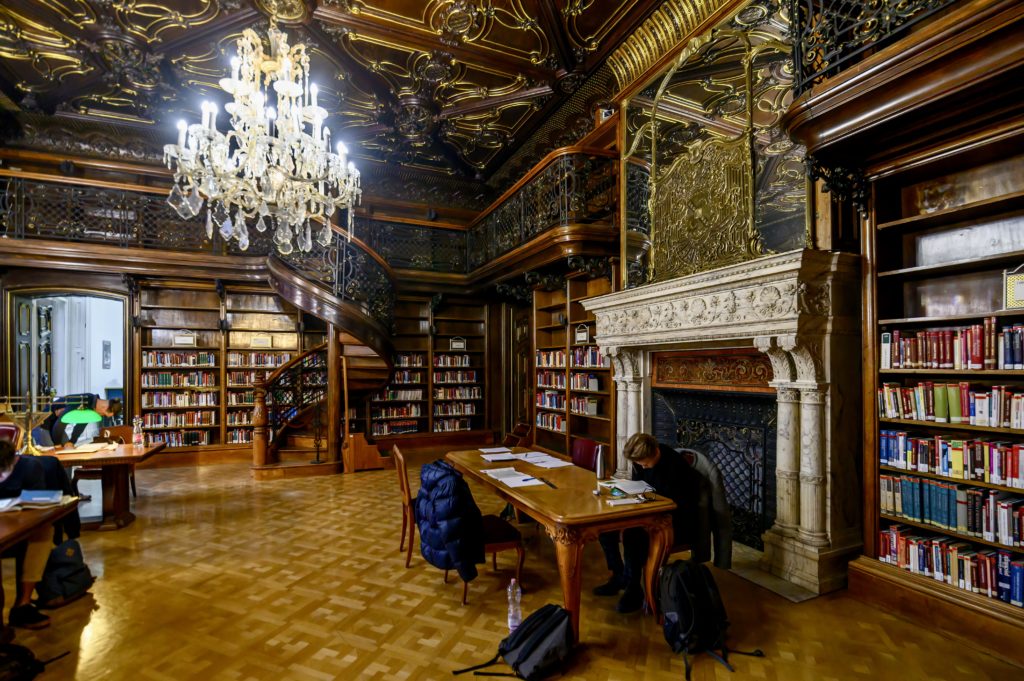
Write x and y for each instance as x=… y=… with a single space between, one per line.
x=667 y=471
x=19 y=473
x=55 y=433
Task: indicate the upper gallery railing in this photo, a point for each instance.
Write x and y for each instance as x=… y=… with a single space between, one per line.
x=112 y=215
x=571 y=185
x=831 y=35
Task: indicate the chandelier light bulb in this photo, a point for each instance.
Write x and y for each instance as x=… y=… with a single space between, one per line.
x=275 y=163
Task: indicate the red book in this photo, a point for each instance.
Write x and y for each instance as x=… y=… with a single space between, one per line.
x=965 y=401
x=977 y=347
x=947 y=349
x=897 y=350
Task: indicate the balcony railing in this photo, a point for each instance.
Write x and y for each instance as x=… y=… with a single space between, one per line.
x=832 y=35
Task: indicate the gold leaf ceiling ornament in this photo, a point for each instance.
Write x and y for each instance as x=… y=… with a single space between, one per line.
x=148 y=19
x=670 y=25
x=284 y=10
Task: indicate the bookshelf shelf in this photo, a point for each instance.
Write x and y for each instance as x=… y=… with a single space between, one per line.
x=1010 y=258
x=212 y=407
x=955 y=372
x=946 y=478
x=957 y=214
x=950 y=533
x=939 y=320
x=952 y=426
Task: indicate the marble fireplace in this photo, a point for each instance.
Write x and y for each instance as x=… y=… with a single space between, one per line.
x=800 y=310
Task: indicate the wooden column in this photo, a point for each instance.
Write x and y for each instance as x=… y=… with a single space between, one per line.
x=335 y=394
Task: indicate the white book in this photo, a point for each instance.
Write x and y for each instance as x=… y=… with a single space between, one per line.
x=886 y=350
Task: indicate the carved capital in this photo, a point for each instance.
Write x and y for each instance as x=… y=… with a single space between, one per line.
x=627 y=363
x=787 y=395
x=812 y=479
x=787 y=475
x=806 y=353
x=812 y=396
x=782 y=365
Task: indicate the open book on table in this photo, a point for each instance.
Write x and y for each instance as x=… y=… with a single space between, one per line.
x=627 y=486
x=35 y=499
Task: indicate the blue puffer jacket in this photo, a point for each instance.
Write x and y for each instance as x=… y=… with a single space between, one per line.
x=451 y=529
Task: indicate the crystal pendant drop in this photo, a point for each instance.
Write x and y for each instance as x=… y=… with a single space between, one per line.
x=243 y=239
x=227 y=229
x=260 y=225
x=264 y=209
x=209 y=224
x=285 y=248
x=176 y=199
x=220 y=213
x=324 y=238
x=195 y=201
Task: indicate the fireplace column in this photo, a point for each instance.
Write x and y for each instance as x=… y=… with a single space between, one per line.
x=630 y=380
x=787 y=445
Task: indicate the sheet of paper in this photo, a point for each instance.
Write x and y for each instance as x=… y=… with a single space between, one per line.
x=551 y=463
x=494 y=450
x=623 y=502
x=8 y=504
x=522 y=481
x=628 y=486
x=503 y=456
x=502 y=473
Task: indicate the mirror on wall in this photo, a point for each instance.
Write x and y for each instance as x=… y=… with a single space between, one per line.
x=711 y=177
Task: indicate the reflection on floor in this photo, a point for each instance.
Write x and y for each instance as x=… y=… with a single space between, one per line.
x=222 y=578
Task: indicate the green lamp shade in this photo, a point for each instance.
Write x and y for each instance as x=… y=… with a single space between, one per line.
x=81 y=415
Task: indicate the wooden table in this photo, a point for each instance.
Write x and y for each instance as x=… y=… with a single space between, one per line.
x=572 y=516
x=15 y=526
x=115 y=467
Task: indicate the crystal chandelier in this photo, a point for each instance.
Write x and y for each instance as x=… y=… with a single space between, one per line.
x=275 y=164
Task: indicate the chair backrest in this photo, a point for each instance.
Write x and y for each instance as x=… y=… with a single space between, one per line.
x=119 y=434
x=403 y=472
x=12 y=432
x=517 y=436
x=584 y=453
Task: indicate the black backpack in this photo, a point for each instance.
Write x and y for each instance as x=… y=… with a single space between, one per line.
x=538 y=647
x=18 y=663
x=66 y=576
x=695 y=619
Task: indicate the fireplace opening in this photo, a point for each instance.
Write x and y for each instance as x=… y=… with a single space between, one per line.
x=736 y=430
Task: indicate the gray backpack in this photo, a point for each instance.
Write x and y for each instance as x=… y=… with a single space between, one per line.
x=540 y=646
x=66 y=576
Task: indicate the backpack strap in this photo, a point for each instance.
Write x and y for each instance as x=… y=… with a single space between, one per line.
x=516 y=676
x=493 y=661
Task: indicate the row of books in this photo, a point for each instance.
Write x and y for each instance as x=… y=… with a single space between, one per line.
x=406 y=377
x=551 y=358
x=179 y=399
x=583 y=406
x=997 y=406
x=550 y=399
x=466 y=392
x=241 y=398
x=177 y=419
x=455 y=409
x=589 y=356
x=452 y=361
x=257 y=359
x=551 y=379
x=180 y=438
x=452 y=425
x=983 y=513
x=381 y=428
x=965 y=348
x=997 y=463
x=551 y=421
x=240 y=436
x=397 y=395
x=992 y=572
x=581 y=381
x=160 y=359
x=239 y=418
x=242 y=378
x=395 y=412
x=455 y=377
x=409 y=360
x=193 y=379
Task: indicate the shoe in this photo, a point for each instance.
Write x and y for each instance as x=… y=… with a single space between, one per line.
x=610 y=588
x=27 y=617
x=631 y=601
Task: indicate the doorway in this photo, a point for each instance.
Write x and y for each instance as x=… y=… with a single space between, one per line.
x=67 y=342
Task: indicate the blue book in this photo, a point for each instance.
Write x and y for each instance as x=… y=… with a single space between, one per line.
x=1003 y=575
x=40 y=497
x=1017 y=583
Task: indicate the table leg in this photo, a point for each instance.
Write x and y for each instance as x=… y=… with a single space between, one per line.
x=116 y=504
x=569 y=551
x=661 y=535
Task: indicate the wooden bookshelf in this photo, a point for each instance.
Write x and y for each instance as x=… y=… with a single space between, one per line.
x=573 y=390
x=941 y=230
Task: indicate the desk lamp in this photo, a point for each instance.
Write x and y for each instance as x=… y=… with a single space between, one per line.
x=81 y=415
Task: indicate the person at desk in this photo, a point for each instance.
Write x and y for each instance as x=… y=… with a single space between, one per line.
x=19 y=473
x=53 y=432
x=694 y=483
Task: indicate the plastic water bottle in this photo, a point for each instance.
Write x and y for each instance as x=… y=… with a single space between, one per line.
x=138 y=439
x=515 y=612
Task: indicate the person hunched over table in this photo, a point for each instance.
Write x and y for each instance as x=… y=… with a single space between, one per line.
x=688 y=478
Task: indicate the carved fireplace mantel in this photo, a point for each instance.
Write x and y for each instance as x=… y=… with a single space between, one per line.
x=802 y=310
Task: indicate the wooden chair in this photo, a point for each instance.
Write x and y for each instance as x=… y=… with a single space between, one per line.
x=499 y=535
x=408 y=510
x=517 y=436
x=584 y=453
x=117 y=434
x=12 y=432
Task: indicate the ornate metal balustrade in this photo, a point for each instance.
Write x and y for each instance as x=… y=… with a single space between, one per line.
x=571 y=187
x=415 y=247
x=294 y=394
x=831 y=35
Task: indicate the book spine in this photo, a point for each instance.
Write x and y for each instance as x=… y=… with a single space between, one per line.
x=885 y=352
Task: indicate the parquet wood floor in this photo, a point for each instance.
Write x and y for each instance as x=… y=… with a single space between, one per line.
x=225 y=579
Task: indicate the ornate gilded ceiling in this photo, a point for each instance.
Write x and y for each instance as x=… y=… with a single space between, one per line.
x=451 y=87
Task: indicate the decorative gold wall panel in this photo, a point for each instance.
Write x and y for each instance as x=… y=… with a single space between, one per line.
x=724 y=369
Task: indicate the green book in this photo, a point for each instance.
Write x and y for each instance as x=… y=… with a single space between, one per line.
x=941 y=404
x=953 y=398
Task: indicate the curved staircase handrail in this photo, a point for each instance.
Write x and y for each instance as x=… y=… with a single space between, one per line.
x=273 y=376
x=290 y=391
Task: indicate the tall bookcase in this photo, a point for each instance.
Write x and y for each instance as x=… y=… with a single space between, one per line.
x=574 y=394
x=201 y=350
x=944 y=462
x=438 y=386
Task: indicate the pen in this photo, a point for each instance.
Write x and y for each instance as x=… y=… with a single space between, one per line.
x=548 y=483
